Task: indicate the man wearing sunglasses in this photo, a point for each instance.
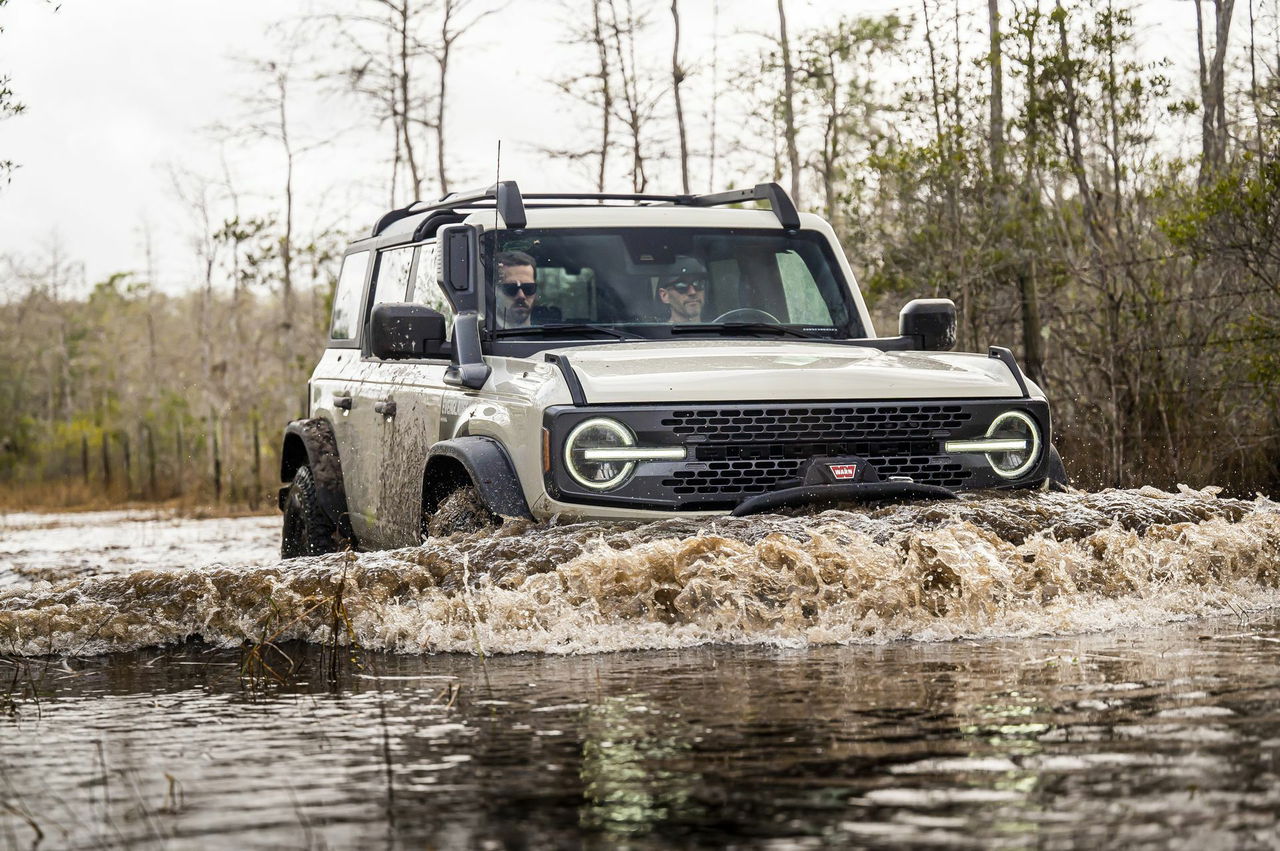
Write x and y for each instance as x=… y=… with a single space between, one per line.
x=516 y=289
x=684 y=291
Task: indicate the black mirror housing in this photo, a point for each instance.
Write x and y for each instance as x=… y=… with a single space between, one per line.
x=459 y=270
x=398 y=330
x=931 y=322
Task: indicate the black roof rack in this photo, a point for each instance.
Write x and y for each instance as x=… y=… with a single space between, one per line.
x=510 y=203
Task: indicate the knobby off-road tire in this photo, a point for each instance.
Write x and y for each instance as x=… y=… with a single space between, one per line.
x=460 y=511
x=308 y=531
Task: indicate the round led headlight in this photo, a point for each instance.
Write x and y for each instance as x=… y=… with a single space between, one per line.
x=596 y=437
x=1019 y=433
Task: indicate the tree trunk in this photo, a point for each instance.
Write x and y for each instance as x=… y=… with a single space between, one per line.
x=182 y=461
x=217 y=458
x=628 y=75
x=106 y=460
x=677 y=77
x=1254 y=99
x=257 y=463
x=606 y=91
x=446 y=43
x=715 y=93
x=1032 y=336
x=128 y=464
x=1213 y=117
x=997 y=96
x=151 y=461
x=788 y=105
x=406 y=103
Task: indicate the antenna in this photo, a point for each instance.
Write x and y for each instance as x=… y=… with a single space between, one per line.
x=497 y=178
x=493 y=254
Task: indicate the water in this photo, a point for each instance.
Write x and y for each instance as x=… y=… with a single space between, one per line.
x=1048 y=671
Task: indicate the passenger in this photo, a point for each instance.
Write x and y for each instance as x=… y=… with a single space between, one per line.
x=685 y=291
x=516 y=289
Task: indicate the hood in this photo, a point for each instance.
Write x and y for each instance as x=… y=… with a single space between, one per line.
x=769 y=370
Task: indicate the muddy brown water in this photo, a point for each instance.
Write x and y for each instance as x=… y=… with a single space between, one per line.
x=1052 y=670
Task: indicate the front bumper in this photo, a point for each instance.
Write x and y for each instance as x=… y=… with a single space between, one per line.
x=738 y=452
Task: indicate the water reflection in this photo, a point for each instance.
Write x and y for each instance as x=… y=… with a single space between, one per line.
x=631 y=759
x=1163 y=737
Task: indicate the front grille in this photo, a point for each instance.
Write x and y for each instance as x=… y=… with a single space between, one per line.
x=739 y=450
x=748 y=451
x=817 y=422
x=750 y=477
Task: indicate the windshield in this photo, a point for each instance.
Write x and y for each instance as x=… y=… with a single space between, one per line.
x=654 y=278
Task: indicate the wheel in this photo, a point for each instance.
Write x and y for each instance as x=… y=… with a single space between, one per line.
x=461 y=511
x=747 y=314
x=308 y=531
x=1058 y=480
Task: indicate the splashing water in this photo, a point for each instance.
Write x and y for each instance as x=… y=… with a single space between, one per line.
x=984 y=566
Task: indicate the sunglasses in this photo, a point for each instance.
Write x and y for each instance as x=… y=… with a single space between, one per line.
x=684 y=286
x=510 y=290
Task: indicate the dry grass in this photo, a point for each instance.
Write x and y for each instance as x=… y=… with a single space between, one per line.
x=264 y=662
x=75 y=495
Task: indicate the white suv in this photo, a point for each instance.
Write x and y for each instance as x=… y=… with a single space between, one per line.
x=631 y=356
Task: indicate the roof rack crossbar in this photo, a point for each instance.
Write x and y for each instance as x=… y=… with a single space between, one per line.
x=505 y=195
x=607 y=196
x=510 y=203
x=779 y=201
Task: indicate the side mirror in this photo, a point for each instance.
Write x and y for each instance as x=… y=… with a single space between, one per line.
x=460 y=276
x=405 y=331
x=931 y=322
x=459 y=269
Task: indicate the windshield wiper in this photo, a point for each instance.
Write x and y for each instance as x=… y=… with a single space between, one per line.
x=565 y=327
x=745 y=327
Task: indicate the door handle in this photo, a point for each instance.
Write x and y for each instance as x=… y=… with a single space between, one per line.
x=386 y=407
x=343 y=402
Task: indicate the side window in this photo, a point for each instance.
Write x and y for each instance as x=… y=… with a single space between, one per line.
x=346 y=298
x=805 y=304
x=393 y=274
x=426 y=290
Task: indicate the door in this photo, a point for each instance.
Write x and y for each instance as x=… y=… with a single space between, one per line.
x=340 y=367
x=403 y=398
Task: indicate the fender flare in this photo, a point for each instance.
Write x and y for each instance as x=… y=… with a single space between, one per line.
x=486 y=461
x=311 y=442
x=1058 y=479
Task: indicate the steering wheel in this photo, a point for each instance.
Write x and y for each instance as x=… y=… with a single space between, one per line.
x=747 y=314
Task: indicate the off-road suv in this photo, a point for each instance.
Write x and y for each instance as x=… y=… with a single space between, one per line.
x=631 y=356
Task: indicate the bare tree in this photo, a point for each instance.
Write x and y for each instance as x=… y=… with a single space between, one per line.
x=677 y=77
x=386 y=43
x=712 y=146
x=1213 y=121
x=457 y=18
x=595 y=90
x=995 y=65
x=637 y=93
x=788 y=104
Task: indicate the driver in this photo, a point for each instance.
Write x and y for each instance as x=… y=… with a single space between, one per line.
x=684 y=290
x=516 y=289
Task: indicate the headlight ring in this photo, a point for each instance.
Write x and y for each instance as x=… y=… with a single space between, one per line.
x=1014 y=425
x=598 y=433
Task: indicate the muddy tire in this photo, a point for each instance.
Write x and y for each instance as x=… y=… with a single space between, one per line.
x=461 y=511
x=308 y=531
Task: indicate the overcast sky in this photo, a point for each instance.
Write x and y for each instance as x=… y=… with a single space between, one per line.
x=122 y=93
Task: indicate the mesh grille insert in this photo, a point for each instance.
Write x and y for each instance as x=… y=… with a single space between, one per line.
x=739 y=478
x=825 y=422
